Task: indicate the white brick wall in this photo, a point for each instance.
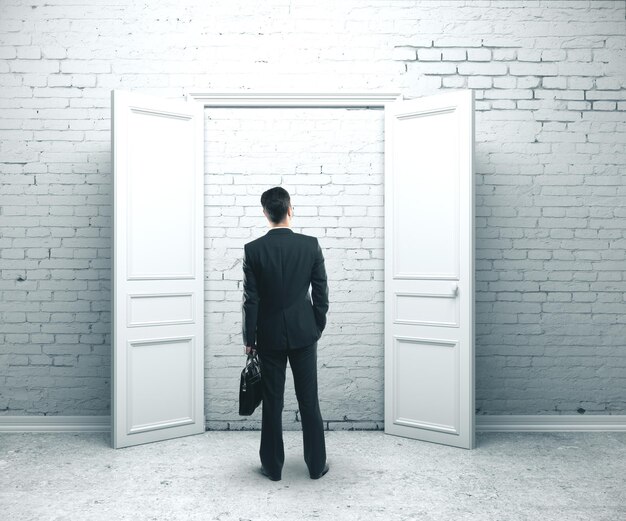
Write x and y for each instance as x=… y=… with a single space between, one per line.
x=549 y=79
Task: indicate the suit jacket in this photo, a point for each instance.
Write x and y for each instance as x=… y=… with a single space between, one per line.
x=278 y=309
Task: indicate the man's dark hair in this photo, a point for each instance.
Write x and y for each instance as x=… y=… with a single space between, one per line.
x=276 y=202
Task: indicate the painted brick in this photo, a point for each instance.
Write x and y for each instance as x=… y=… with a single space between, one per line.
x=485 y=69
x=479 y=55
x=429 y=54
x=404 y=54
x=454 y=54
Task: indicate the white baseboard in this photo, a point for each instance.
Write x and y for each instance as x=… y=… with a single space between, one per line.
x=484 y=423
x=551 y=423
x=55 y=423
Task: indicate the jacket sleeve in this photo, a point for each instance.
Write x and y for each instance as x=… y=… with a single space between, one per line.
x=250 y=306
x=319 y=288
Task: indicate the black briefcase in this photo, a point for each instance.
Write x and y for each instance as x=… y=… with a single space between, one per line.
x=250 y=391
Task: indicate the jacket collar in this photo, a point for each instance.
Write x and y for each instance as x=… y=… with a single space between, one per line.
x=279 y=230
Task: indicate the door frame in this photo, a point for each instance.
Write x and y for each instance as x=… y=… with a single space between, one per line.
x=330 y=100
x=293 y=100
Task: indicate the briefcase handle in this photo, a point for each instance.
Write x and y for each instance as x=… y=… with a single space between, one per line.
x=249 y=368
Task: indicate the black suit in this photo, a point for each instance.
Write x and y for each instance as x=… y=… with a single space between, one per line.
x=283 y=321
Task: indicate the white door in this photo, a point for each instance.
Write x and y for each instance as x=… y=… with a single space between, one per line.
x=429 y=268
x=158 y=271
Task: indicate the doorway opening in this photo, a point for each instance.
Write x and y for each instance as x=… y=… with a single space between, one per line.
x=331 y=161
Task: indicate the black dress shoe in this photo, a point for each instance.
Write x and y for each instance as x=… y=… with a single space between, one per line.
x=267 y=474
x=323 y=472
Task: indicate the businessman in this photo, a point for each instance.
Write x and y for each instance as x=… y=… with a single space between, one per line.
x=283 y=320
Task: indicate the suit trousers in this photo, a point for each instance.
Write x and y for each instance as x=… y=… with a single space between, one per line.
x=303 y=362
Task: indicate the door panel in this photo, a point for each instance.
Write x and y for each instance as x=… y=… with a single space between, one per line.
x=427 y=309
x=427 y=172
x=429 y=273
x=441 y=380
x=158 y=269
x=156 y=399
x=161 y=183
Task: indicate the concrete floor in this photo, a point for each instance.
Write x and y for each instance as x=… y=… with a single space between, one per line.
x=214 y=476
